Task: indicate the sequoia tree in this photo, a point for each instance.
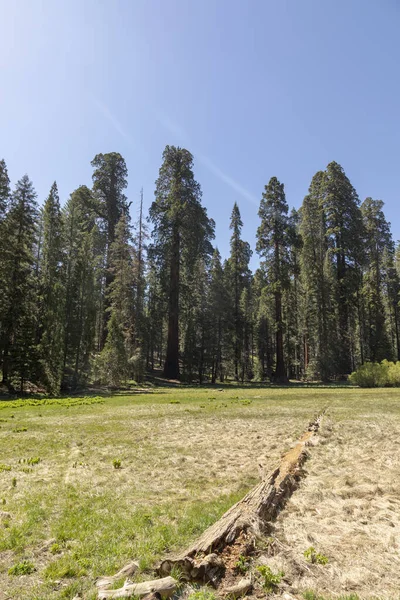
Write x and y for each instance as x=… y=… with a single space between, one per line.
x=181 y=233
x=272 y=245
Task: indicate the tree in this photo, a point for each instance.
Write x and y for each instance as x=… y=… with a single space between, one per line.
x=219 y=306
x=4 y=190
x=181 y=233
x=52 y=294
x=272 y=245
x=344 y=231
x=318 y=293
x=239 y=274
x=83 y=286
x=377 y=239
x=119 y=347
x=110 y=203
x=19 y=302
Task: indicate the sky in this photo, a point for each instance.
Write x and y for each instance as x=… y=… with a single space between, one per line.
x=253 y=88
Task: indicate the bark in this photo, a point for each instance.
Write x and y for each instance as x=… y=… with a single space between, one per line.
x=280 y=372
x=165 y=587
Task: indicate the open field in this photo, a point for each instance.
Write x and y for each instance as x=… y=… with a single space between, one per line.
x=186 y=455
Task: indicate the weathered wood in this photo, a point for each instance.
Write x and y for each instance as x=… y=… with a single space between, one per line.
x=165 y=587
x=240 y=589
x=127 y=571
x=249 y=516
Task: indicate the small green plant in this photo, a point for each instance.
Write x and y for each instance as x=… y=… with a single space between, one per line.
x=203 y=594
x=19 y=429
x=310 y=595
x=5 y=468
x=55 y=548
x=270 y=579
x=23 y=568
x=116 y=463
x=14 y=482
x=242 y=565
x=33 y=460
x=312 y=556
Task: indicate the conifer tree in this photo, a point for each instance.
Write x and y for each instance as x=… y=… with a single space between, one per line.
x=344 y=231
x=19 y=307
x=272 y=245
x=110 y=203
x=4 y=190
x=318 y=295
x=181 y=233
x=377 y=239
x=83 y=276
x=239 y=278
x=117 y=353
x=219 y=306
x=52 y=294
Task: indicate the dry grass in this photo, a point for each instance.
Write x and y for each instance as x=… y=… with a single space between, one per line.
x=348 y=506
x=186 y=455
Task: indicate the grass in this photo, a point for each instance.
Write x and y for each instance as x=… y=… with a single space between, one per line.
x=185 y=455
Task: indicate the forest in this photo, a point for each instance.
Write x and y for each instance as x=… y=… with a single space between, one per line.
x=89 y=296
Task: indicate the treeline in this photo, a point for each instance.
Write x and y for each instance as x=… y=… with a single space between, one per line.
x=88 y=296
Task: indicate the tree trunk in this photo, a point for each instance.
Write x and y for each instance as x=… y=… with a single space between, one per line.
x=280 y=372
x=171 y=366
x=246 y=519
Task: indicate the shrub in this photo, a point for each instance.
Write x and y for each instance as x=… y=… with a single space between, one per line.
x=116 y=463
x=371 y=375
x=393 y=372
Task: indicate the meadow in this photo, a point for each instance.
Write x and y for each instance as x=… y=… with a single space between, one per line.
x=88 y=484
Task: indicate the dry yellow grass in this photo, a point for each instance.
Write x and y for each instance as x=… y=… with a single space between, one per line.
x=348 y=506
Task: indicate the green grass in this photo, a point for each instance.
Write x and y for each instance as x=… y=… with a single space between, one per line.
x=182 y=455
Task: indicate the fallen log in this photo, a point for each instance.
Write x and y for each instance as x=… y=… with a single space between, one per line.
x=247 y=518
x=165 y=587
x=206 y=559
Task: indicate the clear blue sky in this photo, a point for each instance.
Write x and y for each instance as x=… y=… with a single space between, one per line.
x=253 y=88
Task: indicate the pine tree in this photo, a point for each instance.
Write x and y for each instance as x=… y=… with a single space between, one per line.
x=377 y=239
x=19 y=303
x=4 y=190
x=239 y=276
x=139 y=266
x=181 y=233
x=272 y=245
x=52 y=294
x=219 y=306
x=83 y=277
x=119 y=347
x=4 y=202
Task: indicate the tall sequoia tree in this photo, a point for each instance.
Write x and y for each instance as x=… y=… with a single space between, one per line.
x=272 y=245
x=110 y=203
x=344 y=235
x=181 y=233
x=319 y=332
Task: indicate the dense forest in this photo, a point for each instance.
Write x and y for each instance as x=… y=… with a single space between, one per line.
x=88 y=296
